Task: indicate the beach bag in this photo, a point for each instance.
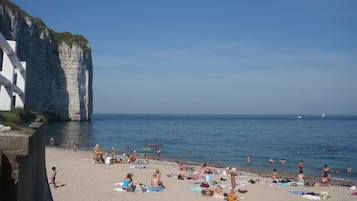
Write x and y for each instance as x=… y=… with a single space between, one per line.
x=232 y=197
x=323 y=195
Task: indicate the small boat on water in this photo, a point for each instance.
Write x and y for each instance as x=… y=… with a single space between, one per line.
x=299 y=117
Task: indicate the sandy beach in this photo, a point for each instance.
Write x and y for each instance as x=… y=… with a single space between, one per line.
x=78 y=178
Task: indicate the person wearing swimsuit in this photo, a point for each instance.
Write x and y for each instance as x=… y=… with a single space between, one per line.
x=326 y=172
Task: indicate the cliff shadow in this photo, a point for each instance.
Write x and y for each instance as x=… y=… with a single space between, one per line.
x=8 y=188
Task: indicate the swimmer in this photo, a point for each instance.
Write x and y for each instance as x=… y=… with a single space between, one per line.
x=282 y=161
x=249 y=159
x=301 y=165
x=349 y=170
x=271 y=160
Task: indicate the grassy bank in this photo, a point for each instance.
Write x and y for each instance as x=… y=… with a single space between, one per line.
x=19 y=119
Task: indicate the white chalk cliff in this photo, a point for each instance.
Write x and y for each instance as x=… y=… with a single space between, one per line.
x=59 y=68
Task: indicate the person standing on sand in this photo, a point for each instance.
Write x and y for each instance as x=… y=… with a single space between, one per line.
x=53 y=177
x=157 y=151
x=75 y=146
x=52 y=141
x=249 y=159
x=326 y=172
x=233 y=180
x=147 y=157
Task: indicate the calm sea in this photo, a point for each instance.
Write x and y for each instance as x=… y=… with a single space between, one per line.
x=225 y=139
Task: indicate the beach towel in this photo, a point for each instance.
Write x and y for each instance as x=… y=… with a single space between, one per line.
x=208 y=178
x=241 y=182
x=119 y=189
x=311 y=197
x=195 y=189
x=285 y=184
x=194 y=182
x=297 y=192
x=219 y=196
x=153 y=189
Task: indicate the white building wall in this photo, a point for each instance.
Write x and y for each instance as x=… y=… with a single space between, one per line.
x=7 y=72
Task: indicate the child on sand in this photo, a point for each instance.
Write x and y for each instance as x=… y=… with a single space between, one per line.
x=53 y=177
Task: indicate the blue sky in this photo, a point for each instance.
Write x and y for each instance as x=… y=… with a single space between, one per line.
x=206 y=56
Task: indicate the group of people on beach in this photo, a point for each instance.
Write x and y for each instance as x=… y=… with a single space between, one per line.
x=156 y=183
x=325 y=180
x=326 y=171
x=103 y=157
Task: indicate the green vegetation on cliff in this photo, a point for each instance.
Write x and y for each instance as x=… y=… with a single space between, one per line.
x=71 y=39
x=19 y=119
x=67 y=37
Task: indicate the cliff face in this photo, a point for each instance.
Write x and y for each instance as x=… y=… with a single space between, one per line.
x=59 y=67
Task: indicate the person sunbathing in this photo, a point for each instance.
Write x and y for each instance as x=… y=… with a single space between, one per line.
x=158 y=175
x=324 y=181
x=155 y=181
x=183 y=167
x=190 y=176
x=131 y=187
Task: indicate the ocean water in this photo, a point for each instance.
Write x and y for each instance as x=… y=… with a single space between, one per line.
x=224 y=139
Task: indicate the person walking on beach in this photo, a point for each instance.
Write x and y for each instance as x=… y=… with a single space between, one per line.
x=53 y=177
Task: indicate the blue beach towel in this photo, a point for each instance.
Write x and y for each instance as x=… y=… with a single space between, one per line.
x=195 y=189
x=285 y=184
x=297 y=192
x=152 y=189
